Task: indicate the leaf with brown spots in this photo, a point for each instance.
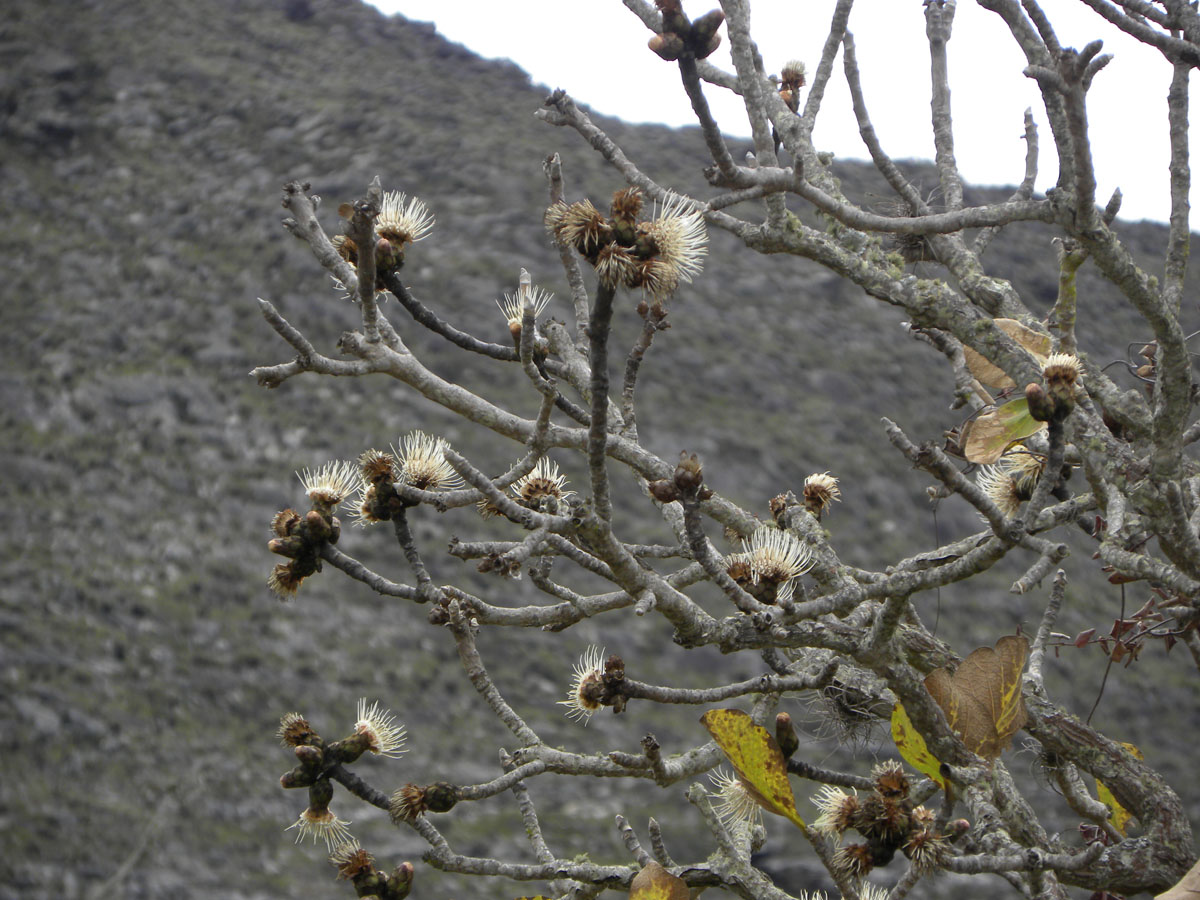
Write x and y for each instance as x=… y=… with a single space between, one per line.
x=757 y=759
x=982 y=699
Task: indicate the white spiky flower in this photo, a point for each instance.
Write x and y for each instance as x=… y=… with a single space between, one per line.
x=1062 y=367
x=321 y=825
x=543 y=483
x=423 y=465
x=588 y=672
x=735 y=806
x=778 y=558
x=512 y=307
x=402 y=220
x=681 y=238
x=837 y=809
x=385 y=736
x=1024 y=467
x=331 y=484
x=820 y=490
x=1000 y=488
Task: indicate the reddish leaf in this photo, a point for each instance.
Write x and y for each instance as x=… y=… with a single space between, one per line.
x=1083 y=637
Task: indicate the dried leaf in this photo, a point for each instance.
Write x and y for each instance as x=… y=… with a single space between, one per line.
x=1035 y=342
x=1120 y=816
x=982 y=699
x=1083 y=637
x=993 y=432
x=912 y=746
x=656 y=883
x=757 y=759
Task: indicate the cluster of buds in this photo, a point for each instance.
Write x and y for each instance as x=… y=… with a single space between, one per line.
x=399 y=221
x=888 y=821
x=686 y=482
x=419 y=462
x=376 y=731
x=412 y=800
x=654 y=255
x=1054 y=402
x=681 y=38
x=301 y=538
x=358 y=867
x=597 y=682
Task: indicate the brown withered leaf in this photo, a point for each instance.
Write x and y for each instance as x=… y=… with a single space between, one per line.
x=1188 y=887
x=982 y=699
x=1034 y=341
x=656 y=883
x=989 y=434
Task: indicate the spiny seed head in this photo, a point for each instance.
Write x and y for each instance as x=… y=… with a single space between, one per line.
x=321 y=825
x=838 y=809
x=853 y=861
x=328 y=486
x=738 y=567
x=682 y=240
x=284 y=581
x=616 y=265
x=285 y=522
x=927 y=850
x=820 y=490
x=407 y=803
x=402 y=220
x=579 y=225
x=385 y=736
x=882 y=817
x=1061 y=368
x=735 y=806
x=423 y=463
x=543 y=483
x=793 y=74
x=626 y=204
x=366 y=508
x=587 y=678
x=890 y=779
x=378 y=465
x=777 y=558
x=351 y=860
x=294 y=730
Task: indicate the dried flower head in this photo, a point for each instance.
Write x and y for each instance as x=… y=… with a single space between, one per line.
x=881 y=818
x=853 y=861
x=423 y=464
x=321 y=825
x=294 y=730
x=588 y=675
x=513 y=310
x=738 y=567
x=407 y=803
x=284 y=581
x=385 y=736
x=285 y=522
x=923 y=817
x=777 y=559
x=579 y=225
x=1000 y=488
x=838 y=809
x=351 y=860
x=1024 y=467
x=616 y=265
x=401 y=220
x=1061 y=368
x=820 y=490
x=793 y=73
x=927 y=850
x=890 y=779
x=542 y=484
x=735 y=806
x=378 y=465
x=330 y=485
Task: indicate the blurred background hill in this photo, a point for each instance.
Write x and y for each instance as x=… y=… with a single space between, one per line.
x=144 y=663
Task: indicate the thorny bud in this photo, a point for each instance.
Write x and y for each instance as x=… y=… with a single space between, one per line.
x=689 y=474
x=626 y=205
x=285 y=522
x=779 y=505
x=352 y=861
x=882 y=819
x=890 y=780
x=820 y=490
x=785 y=735
x=294 y=731
x=407 y=803
x=853 y=861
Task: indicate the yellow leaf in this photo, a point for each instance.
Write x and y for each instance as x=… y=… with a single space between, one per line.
x=912 y=746
x=1120 y=815
x=656 y=883
x=1035 y=342
x=990 y=434
x=756 y=758
x=982 y=699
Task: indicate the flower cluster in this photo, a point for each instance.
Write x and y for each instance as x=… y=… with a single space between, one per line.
x=769 y=564
x=302 y=538
x=1010 y=482
x=888 y=821
x=655 y=255
x=401 y=221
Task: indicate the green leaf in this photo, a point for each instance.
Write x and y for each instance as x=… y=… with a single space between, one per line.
x=990 y=434
x=912 y=746
x=756 y=758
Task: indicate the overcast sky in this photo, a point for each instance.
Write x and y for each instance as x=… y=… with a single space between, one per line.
x=596 y=50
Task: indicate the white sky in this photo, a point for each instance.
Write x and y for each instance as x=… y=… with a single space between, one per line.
x=596 y=50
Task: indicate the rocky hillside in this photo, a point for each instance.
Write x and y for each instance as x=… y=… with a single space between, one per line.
x=144 y=664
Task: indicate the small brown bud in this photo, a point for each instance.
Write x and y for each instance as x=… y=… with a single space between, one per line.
x=667 y=46
x=400 y=882
x=441 y=797
x=664 y=491
x=785 y=735
x=704 y=38
x=689 y=474
x=1041 y=407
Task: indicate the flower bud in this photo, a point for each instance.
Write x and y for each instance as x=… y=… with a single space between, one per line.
x=785 y=735
x=441 y=797
x=664 y=491
x=689 y=474
x=400 y=882
x=668 y=46
x=704 y=39
x=1041 y=407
